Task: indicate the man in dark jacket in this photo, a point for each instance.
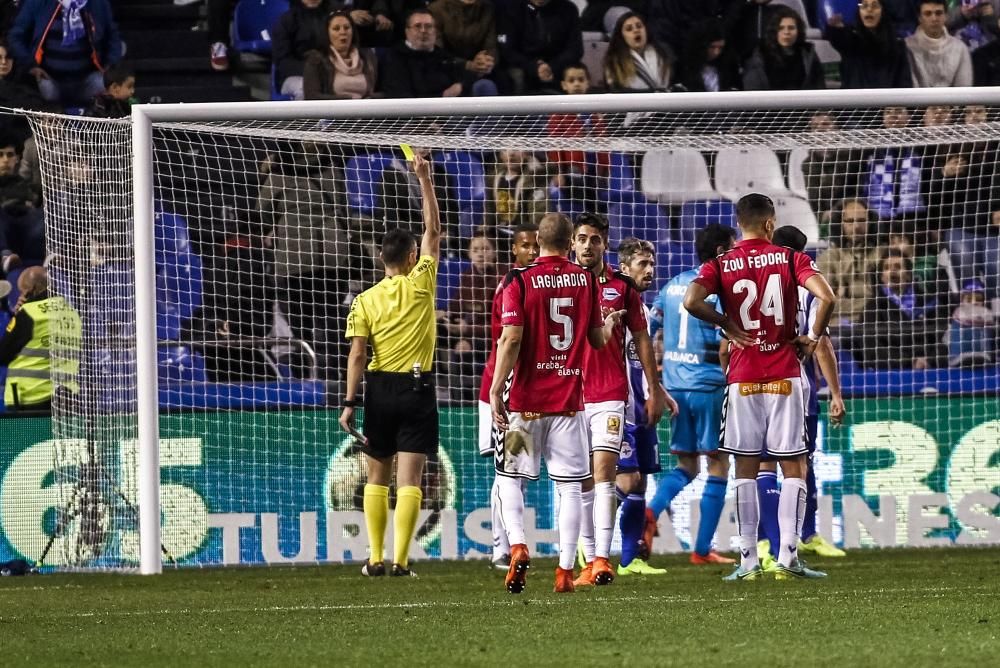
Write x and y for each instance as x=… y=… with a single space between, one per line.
x=66 y=47
x=418 y=68
x=538 y=40
x=22 y=228
x=299 y=30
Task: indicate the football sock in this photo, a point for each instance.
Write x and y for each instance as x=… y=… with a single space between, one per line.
x=713 y=498
x=812 y=505
x=791 y=510
x=404 y=522
x=767 y=489
x=747 y=517
x=669 y=486
x=501 y=546
x=587 y=525
x=376 y=507
x=605 y=505
x=632 y=522
x=570 y=515
x=510 y=498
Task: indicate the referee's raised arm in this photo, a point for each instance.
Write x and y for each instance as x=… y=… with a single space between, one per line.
x=430 y=243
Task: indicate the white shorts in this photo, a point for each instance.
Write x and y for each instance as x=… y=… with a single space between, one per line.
x=760 y=418
x=606 y=421
x=560 y=439
x=485 y=437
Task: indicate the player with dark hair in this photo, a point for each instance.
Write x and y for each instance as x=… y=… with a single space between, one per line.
x=767 y=479
x=640 y=453
x=524 y=248
x=606 y=391
x=550 y=313
x=764 y=410
x=396 y=317
x=691 y=373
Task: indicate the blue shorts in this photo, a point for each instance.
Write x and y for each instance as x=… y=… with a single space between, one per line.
x=812 y=429
x=695 y=428
x=640 y=450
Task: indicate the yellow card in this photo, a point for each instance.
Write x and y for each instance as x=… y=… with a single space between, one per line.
x=407 y=152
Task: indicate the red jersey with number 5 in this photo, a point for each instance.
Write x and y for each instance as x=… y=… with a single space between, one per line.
x=757 y=283
x=555 y=301
x=606 y=376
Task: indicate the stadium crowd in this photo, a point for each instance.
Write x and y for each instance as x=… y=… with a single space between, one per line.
x=909 y=236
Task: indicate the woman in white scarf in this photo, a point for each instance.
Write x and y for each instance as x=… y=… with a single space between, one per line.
x=633 y=62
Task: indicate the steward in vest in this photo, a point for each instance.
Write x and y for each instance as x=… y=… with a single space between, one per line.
x=41 y=346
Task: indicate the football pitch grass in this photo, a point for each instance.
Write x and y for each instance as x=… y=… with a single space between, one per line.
x=878 y=608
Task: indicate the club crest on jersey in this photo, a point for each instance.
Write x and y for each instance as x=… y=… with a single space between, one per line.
x=611 y=294
x=614 y=425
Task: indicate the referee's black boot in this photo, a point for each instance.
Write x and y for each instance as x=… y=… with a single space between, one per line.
x=373 y=570
x=400 y=572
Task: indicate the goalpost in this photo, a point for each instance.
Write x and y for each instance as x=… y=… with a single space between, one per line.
x=213 y=265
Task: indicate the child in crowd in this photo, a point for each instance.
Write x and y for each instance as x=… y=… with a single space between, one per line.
x=972 y=333
x=574 y=173
x=118 y=96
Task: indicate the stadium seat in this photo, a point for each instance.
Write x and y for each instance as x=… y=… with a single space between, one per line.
x=276 y=94
x=796 y=179
x=180 y=364
x=171 y=235
x=252 y=23
x=594 y=50
x=797 y=212
x=449 y=272
x=827 y=55
x=467 y=179
x=364 y=182
x=636 y=216
x=748 y=169
x=677 y=175
x=699 y=213
x=673 y=257
x=179 y=284
x=621 y=177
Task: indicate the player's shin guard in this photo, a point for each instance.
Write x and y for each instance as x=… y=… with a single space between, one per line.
x=570 y=515
x=511 y=500
x=713 y=498
x=667 y=488
x=605 y=505
x=767 y=490
x=587 y=525
x=791 y=511
x=376 y=509
x=404 y=523
x=747 y=518
x=501 y=546
x=812 y=505
x=633 y=521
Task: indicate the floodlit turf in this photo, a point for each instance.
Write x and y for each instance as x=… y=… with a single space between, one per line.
x=878 y=608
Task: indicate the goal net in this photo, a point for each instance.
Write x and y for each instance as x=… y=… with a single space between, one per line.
x=266 y=226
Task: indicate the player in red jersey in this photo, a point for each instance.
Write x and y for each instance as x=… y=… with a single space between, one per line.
x=524 y=248
x=757 y=283
x=605 y=393
x=550 y=313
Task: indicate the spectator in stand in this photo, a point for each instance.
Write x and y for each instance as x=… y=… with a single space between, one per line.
x=418 y=68
x=574 y=173
x=974 y=22
x=376 y=20
x=748 y=23
x=784 y=60
x=18 y=89
x=894 y=176
x=634 y=64
x=850 y=260
x=908 y=235
x=518 y=193
x=467 y=320
x=467 y=29
x=972 y=334
x=341 y=70
x=986 y=63
x=118 y=96
x=597 y=14
x=303 y=28
x=22 y=226
x=937 y=58
x=538 y=40
x=708 y=64
x=66 y=44
x=903 y=324
x=871 y=55
x=830 y=173
x=668 y=21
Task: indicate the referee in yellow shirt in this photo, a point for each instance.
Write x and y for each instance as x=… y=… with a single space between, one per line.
x=396 y=316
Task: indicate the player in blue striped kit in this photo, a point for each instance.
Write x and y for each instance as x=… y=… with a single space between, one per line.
x=691 y=373
x=767 y=477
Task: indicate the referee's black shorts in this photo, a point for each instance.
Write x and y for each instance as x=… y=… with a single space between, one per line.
x=400 y=417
